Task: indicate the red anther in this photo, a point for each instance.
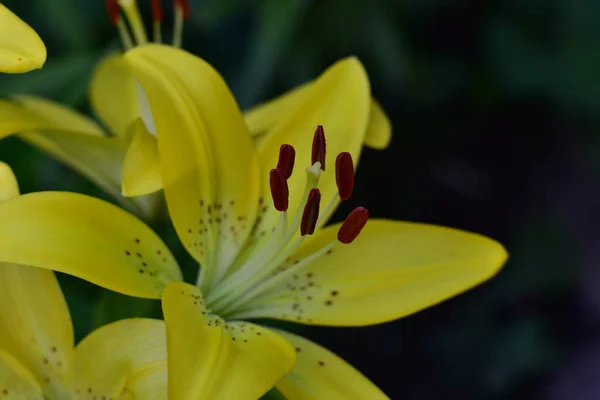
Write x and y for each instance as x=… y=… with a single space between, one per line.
x=287 y=156
x=157 y=10
x=318 y=147
x=311 y=213
x=113 y=11
x=354 y=223
x=344 y=175
x=279 y=189
x=185 y=6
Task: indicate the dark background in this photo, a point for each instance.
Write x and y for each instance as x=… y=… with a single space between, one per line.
x=496 y=130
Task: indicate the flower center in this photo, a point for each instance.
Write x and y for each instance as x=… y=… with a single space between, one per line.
x=131 y=29
x=268 y=266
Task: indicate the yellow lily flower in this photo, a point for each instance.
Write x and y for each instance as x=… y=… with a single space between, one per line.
x=21 y=49
x=127 y=359
x=256 y=262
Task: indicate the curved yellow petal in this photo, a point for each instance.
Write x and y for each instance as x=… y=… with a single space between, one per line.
x=16 y=381
x=379 y=131
x=339 y=100
x=320 y=374
x=35 y=325
x=21 y=49
x=141 y=168
x=208 y=165
x=122 y=358
x=391 y=270
x=113 y=94
x=87 y=238
x=9 y=187
x=212 y=359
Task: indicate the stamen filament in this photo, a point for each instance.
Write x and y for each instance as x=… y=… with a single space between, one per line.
x=126 y=39
x=157 y=36
x=178 y=25
x=135 y=20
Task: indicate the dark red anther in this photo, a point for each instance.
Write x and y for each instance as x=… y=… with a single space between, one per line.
x=318 y=147
x=287 y=156
x=279 y=189
x=311 y=213
x=185 y=6
x=113 y=11
x=344 y=175
x=157 y=10
x=354 y=223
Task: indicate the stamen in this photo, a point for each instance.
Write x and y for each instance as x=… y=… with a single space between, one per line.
x=311 y=213
x=344 y=175
x=157 y=19
x=287 y=156
x=113 y=11
x=182 y=12
x=279 y=189
x=185 y=7
x=318 y=147
x=135 y=20
x=354 y=223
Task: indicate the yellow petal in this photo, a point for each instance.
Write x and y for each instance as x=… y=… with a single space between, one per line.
x=9 y=187
x=391 y=270
x=141 y=168
x=211 y=359
x=320 y=374
x=339 y=100
x=122 y=357
x=16 y=381
x=21 y=49
x=113 y=95
x=35 y=325
x=88 y=238
x=260 y=119
x=208 y=165
x=379 y=131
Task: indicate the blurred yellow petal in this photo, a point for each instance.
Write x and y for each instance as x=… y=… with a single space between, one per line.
x=208 y=165
x=9 y=187
x=16 y=381
x=141 y=168
x=379 y=131
x=212 y=359
x=35 y=325
x=121 y=358
x=391 y=270
x=21 y=49
x=320 y=374
x=113 y=94
x=87 y=238
x=265 y=116
x=340 y=101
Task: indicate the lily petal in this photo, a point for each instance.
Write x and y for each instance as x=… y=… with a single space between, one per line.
x=21 y=49
x=261 y=118
x=113 y=94
x=16 y=381
x=35 y=325
x=391 y=270
x=9 y=187
x=122 y=357
x=320 y=374
x=208 y=165
x=212 y=359
x=141 y=168
x=340 y=101
x=88 y=238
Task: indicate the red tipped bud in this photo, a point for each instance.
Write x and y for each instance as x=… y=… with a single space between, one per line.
x=113 y=11
x=287 y=156
x=157 y=11
x=318 y=147
x=344 y=175
x=279 y=189
x=354 y=223
x=185 y=6
x=311 y=213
